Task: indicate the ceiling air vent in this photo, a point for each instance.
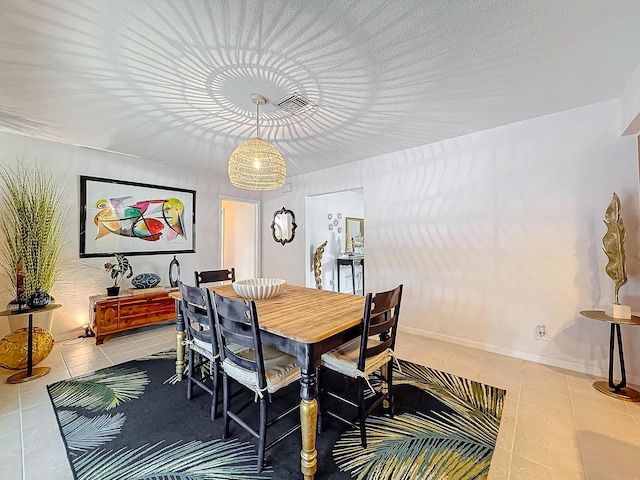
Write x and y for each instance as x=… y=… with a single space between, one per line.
x=294 y=104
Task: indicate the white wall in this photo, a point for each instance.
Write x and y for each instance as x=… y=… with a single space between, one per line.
x=81 y=278
x=496 y=232
x=317 y=210
x=630 y=102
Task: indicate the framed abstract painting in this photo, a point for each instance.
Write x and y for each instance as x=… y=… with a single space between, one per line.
x=131 y=218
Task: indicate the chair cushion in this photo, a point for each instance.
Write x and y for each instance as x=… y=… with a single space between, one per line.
x=280 y=369
x=203 y=348
x=344 y=359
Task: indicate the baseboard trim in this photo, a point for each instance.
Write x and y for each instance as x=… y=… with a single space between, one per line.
x=552 y=362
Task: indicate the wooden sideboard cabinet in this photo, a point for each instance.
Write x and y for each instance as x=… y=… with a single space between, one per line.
x=116 y=314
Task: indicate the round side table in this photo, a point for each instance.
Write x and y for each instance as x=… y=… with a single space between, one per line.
x=610 y=388
x=30 y=373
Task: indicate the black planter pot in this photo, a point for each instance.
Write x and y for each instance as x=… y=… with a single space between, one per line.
x=113 y=291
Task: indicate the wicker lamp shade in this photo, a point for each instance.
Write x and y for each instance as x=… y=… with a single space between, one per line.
x=257 y=165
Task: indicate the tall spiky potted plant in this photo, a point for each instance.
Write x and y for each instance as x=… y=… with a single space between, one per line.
x=31 y=221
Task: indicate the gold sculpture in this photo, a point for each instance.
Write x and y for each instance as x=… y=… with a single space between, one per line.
x=348 y=244
x=317 y=264
x=613 y=242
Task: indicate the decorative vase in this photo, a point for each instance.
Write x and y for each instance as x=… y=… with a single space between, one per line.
x=38 y=299
x=113 y=291
x=13 y=348
x=174 y=272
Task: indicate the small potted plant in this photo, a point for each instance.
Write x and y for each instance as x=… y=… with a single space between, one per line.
x=117 y=271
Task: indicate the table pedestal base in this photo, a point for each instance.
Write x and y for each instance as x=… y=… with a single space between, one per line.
x=610 y=388
x=24 y=376
x=625 y=393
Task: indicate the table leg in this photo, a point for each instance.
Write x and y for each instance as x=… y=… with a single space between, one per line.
x=180 y=335
x=30 y=346
x=308 y=422
x=30 y=373
x=610 y=388
x=353 y=276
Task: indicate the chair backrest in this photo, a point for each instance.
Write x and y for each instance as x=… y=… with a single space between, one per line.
x=381 y=314
x=237 y=323
x=211 y=276
x=197 y=313
x=317 y=265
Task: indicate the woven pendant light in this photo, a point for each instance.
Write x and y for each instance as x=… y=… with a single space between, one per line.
x=256 y=164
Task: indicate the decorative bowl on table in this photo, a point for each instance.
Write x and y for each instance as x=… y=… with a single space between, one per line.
x=145 y=280
x=259 y=288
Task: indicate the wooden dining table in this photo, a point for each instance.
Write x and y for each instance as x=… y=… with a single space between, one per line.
x=303 y=322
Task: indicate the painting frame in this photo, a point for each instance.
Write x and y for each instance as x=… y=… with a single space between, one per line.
x=97 y=195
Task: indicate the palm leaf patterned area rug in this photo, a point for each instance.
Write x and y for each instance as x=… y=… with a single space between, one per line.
x=133 y=421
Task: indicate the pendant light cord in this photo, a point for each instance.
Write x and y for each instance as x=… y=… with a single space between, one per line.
x=258 y=120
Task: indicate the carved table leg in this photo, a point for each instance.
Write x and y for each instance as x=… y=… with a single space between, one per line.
x=309 y=423
x=179 y=345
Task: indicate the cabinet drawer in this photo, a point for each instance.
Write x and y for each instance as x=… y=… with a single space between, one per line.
x=146 y=306
x=139 y=319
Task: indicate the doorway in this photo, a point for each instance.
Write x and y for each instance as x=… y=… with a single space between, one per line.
x=326 y=216
x=240 y=236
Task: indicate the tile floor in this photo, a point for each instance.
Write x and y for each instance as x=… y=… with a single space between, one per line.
x=555 y=424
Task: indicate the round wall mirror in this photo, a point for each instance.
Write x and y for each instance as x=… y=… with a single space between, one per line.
x=283 y=226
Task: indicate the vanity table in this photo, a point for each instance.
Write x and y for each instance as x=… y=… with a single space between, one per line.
x=351 y=261
x=610 y=388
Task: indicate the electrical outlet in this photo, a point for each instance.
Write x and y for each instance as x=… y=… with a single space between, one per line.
x=540 y=332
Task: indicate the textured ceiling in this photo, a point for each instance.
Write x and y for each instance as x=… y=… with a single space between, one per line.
x=170 y=80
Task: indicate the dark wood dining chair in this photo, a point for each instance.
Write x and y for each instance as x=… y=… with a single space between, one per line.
x=197 y=312
x=263 y=370
x=214 y=276
x=369 y=355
